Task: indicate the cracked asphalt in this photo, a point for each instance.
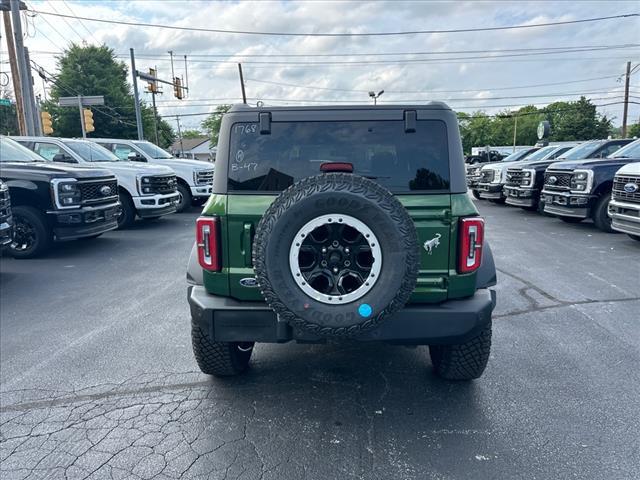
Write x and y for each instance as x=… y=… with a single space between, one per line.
x=97 y=378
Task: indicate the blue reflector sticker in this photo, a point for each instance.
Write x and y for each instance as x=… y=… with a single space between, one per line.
x=365 y=310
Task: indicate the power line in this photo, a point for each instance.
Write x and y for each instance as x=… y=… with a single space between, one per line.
x=542 y=111
x=81 y=22
x=430 y=91
x=403 y=60
x=163 y=56
x=66 y=21
x=533 y=51
x=398 y=101
x=343 y=34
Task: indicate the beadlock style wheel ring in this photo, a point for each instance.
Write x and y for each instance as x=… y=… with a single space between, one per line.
x=335 y=259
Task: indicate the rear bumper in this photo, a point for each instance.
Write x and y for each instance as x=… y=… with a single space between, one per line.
x=491 y=191
x=625 y=217
x=84 y=222
x=565 y=204
x=454 y=321
x=521 y=197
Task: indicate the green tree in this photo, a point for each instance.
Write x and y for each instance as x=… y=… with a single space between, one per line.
x=94 y=70
x=211 y=124
x=192 y=133
x=633 y=130
x=577 y=120
x=9 y=120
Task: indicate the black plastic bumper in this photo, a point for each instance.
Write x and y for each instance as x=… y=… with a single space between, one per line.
x=84 y=222
x=228 y=320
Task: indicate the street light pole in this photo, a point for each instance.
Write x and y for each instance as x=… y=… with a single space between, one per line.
x=515 y=133
x=375 y=96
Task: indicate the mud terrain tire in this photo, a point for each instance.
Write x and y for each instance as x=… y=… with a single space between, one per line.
x=336 y=197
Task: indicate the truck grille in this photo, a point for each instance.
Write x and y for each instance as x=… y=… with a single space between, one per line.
x=161 y=184
x=5 y=205
x=618 y=192
x=204 y=177
x=555 y=180
x=98 y=191
x=488 y=176
x=514 y=177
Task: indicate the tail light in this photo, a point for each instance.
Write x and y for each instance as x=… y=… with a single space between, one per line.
x=208 y=243
x=470 y=244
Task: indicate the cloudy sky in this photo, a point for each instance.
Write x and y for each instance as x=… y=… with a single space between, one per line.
x=460 y=68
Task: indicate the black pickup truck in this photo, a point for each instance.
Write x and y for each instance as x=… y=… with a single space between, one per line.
x=55 y=202
x=6 y=219
x=525 y=182
x=576 y=190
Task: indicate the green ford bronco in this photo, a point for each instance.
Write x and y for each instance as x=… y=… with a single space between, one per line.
x=348 y=223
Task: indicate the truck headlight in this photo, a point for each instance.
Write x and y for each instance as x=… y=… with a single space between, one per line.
x=144 y=186
x=581 y=181
x=66 y=193
x=528 y=176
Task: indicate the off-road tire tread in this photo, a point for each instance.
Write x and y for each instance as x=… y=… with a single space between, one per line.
x=465 y=361
x=221 y=359
x=336 y=182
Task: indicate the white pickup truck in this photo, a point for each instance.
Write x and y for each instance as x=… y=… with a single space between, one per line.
x=194 y=177
x=624 y=207
x=148 y=191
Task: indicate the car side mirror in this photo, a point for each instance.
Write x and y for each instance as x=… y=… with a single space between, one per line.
x=62 y=157
x=136 y=157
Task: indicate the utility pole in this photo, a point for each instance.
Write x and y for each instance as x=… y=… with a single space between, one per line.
x=626 y=101
x=15 y=75
x=244 y=95
x=27 y=103
x=155 y=116
x=37 y=125
x=515 y=133
x=180 y=136
x=136 y=98
x=186 y=76
x=84 y=131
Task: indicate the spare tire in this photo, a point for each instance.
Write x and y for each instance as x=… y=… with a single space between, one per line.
x=335 y=255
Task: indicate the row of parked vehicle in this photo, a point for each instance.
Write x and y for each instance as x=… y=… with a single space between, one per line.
x=55 y=189
x=574 y=181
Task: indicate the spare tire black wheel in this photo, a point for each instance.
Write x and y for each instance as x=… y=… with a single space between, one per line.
x=335 y=255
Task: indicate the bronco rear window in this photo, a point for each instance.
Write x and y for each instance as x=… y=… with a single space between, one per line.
x=379 y=150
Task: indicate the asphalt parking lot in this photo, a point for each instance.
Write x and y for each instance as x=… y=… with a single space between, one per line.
x=98 y=378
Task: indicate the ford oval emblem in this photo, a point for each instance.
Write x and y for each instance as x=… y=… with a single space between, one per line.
x=553 y=179
x=631 y=187
x=249 y=282
x=105 y=190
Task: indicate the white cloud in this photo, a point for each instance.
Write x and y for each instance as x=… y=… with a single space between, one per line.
x=479 y=78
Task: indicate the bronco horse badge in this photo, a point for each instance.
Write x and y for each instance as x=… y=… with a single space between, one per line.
x=429 y=245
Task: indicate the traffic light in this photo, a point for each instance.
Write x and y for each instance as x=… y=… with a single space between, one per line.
x=87 y=116
x=47 y=123
x=152 y=85
x=177 y=88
